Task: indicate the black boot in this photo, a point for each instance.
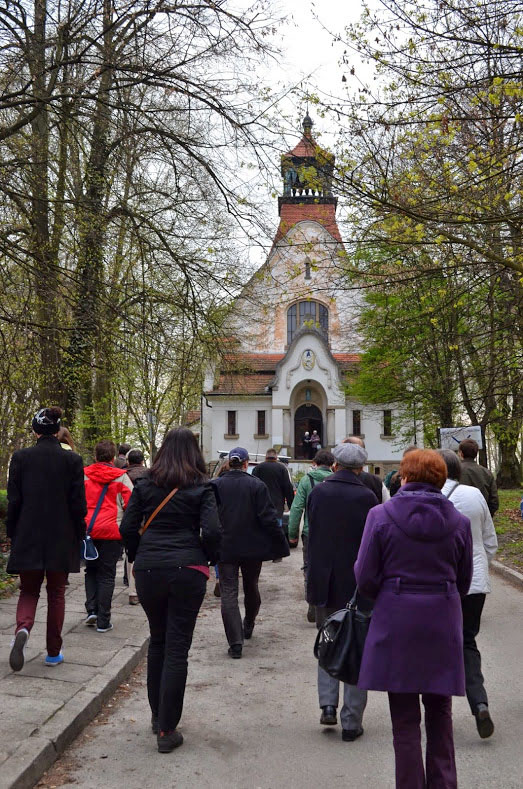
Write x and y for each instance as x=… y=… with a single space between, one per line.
x=168 y=741
x=328 y=716
x=484 y=723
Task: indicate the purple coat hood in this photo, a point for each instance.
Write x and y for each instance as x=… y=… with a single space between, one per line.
x=415 y=560
x=422 y=513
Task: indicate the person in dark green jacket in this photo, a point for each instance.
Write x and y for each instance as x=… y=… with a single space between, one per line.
x=323 y=460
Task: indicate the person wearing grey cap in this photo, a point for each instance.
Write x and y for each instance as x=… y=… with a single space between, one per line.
x=337 y=510
x=251 y=535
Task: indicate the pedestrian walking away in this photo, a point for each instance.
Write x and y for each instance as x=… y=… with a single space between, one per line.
x=45 y=523
x=478 y=476
x=323 y=461
x=415 y=561
x=121 y=459
x=470 y=502
x=251 y=535
x=276 y=477
x=108 y=490
x=337 y=510
x=371 y=481
x=171 y=561
x=136 y=469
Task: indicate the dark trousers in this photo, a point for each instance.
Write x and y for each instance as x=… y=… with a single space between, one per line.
x=304 y=546
x=440 y=762
x=232 y=620
x=171 y=598
x=99 y=580
x=472 y=606
x=30 y=585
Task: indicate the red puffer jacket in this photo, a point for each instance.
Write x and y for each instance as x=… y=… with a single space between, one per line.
x=107 y=524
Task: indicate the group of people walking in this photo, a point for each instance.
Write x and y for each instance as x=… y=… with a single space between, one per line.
x=418 y=560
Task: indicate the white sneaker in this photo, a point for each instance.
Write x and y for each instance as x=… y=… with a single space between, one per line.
x=16 y=657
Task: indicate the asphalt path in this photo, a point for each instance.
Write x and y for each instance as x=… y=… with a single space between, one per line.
x=254 y=723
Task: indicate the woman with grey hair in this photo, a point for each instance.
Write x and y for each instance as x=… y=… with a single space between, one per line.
x=470 y=502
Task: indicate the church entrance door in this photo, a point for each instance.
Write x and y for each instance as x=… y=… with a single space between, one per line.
x=306 y=419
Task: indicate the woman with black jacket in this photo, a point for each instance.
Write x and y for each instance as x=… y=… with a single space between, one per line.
x=171 y=568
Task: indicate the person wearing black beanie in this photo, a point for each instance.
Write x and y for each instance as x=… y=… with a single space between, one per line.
x=46 y=509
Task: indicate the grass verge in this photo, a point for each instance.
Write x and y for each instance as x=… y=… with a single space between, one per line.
x=509 y=528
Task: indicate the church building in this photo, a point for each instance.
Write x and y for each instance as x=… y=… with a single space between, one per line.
x=294 y=336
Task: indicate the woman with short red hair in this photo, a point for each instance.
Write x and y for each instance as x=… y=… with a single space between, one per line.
x=415 y=561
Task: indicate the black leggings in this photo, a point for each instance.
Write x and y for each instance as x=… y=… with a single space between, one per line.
x=171 y=599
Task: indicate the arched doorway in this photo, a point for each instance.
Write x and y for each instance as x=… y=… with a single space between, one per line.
x=307 y=418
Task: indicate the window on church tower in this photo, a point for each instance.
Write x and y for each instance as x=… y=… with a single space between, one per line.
x=307 y=314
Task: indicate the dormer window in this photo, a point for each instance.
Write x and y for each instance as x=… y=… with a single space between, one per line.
x=307 y=314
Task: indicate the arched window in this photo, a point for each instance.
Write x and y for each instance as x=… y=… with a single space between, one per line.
x=310 y=314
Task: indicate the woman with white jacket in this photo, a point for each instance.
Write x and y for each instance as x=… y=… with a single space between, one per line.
x=470 y=502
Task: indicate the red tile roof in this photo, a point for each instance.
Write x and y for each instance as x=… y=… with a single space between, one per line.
x=252 y=361
x=243 y=383
x=305 y=147
x=292 y=213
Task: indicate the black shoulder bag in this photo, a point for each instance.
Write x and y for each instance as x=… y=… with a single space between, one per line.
x=340 y=641
x=88 y=550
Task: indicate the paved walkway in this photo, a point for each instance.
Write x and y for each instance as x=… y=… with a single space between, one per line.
x=254 y=723
x=43 y=708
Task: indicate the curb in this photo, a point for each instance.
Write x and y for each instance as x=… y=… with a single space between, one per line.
x=37 y=753
x=507 y=573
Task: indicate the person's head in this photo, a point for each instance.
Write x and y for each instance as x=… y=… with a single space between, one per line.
x=105 y=451
x=412 y=448
x=65 y=437
x=46 y=421
x=224 y=468
x=238 y=459
x=271 y=454
x=135 y=457
x=349 y=456
x=306 y=433
x=452 y=463
x=354 y=440
x=179 y=462
x=324 y=458
x=123 y=449
x=423 y=465
x=468 y=449
x=314 y=432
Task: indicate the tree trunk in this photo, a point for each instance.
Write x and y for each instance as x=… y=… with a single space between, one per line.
x=45 y=268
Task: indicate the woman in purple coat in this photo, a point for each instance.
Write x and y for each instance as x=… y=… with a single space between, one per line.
x=415 y=560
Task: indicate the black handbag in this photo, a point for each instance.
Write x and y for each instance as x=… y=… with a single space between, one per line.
x=340 y=641
x=88 y=551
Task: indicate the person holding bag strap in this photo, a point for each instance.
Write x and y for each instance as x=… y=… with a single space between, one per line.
x=171 y=552
x=104 y=514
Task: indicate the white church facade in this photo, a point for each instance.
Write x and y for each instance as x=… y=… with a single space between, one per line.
x=294 y=337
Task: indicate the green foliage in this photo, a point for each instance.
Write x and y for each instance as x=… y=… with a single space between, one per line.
x=509 y=528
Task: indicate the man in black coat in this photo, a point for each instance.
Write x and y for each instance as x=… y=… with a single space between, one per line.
x=45 y=522
x=276 y=477
x=251 y=534
x=337 y=510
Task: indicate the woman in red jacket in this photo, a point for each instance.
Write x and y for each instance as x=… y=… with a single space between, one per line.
x=109 y=489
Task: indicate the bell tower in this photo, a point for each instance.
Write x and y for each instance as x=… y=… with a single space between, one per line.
x=307 y=173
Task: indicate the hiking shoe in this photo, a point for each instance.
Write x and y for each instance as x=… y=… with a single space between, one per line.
x=168 y=741
x=484 y=723
x=349 y=735
x=247 y=629
x=133 y=599
x=235 y=651
x=328 y=716
x=90 y=620
x=55 y=660
x=105 y=629
x=16 y=656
